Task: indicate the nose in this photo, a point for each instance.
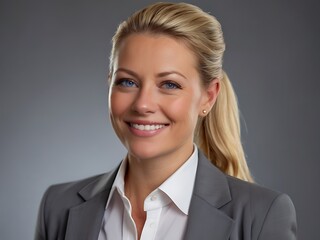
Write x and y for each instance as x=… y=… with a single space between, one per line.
x=145 y=101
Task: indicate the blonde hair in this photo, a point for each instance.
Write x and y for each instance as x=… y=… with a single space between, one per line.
x=218 y=133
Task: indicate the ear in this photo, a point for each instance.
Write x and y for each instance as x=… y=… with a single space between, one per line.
x=209 y=97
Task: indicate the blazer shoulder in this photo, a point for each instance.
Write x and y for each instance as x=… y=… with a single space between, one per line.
x=272 y=213
x=72 y=186
x=248 y=190
x=60 y=197
x=253 y=195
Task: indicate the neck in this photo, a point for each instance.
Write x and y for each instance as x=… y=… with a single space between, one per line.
x=145 y=175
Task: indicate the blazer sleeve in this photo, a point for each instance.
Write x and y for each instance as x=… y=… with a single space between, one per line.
x=40 y=232
x=280 y=221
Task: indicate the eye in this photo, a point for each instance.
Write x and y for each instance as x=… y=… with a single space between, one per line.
x=125 y=83
x=170 y=85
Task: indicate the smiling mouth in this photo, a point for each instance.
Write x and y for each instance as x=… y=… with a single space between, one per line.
x=147 y=127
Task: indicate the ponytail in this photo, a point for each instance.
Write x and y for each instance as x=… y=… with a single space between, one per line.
x=218 y=134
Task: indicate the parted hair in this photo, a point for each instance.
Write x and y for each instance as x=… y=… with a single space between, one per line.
x=218 y=133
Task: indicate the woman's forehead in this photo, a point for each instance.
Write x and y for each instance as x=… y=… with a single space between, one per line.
x=154 y=51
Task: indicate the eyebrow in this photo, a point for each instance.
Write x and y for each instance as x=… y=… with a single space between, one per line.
x=132 y=73
x=162 y=74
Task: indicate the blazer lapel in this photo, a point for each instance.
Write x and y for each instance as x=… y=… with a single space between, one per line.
x=85 y=220
x=205 y=221
x=211 y=192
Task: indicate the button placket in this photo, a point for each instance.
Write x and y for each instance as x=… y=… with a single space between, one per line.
x=151 y=224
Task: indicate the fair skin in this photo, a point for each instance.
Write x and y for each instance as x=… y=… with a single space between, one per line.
x=155 y=99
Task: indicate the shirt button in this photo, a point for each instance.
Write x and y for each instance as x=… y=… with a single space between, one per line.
x=154 y=197
x=152 y=225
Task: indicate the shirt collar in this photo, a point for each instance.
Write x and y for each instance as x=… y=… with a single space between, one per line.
x=178 y=187
x=118 y=181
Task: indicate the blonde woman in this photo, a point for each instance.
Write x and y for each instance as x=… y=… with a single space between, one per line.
x=185 y=175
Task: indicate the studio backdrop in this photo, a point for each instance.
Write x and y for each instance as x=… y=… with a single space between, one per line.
x=54 y=124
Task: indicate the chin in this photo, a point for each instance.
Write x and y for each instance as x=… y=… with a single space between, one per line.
x=142 y=153
x=145 y=151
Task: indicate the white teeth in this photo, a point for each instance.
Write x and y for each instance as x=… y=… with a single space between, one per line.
x=146 y=127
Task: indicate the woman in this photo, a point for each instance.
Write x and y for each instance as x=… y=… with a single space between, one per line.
x=174 y=109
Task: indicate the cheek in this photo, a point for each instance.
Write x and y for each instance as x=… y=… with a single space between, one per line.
x=118 y=104
x=184 y=109
x=117 y=107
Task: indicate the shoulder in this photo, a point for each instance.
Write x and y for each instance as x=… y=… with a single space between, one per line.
x=59 y=198
x=259 y=197
x=72 y=187
x=243 y=191
x=271 y=214
x=211 y=181
x=68 y=190
x=256 y=211
x=236 y=193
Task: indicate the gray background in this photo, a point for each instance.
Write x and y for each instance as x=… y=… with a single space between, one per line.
x=54 y=123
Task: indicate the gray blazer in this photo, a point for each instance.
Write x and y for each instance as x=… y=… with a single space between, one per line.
x=222 y=207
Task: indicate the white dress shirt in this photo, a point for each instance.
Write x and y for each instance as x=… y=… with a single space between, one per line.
x=166 y=207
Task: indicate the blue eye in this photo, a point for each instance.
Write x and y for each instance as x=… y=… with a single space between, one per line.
x=171 y=85
x=126 y=83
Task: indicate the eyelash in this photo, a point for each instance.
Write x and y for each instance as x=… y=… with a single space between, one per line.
x=170 y=85
x=174 y=85
x=124 y=81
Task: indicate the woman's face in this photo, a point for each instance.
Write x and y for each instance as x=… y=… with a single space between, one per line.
x=155 y=96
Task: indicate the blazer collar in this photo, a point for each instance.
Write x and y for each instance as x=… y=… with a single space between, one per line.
x=84 y=221
x=211 y=192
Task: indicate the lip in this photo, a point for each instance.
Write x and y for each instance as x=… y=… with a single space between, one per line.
x=146 y=128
